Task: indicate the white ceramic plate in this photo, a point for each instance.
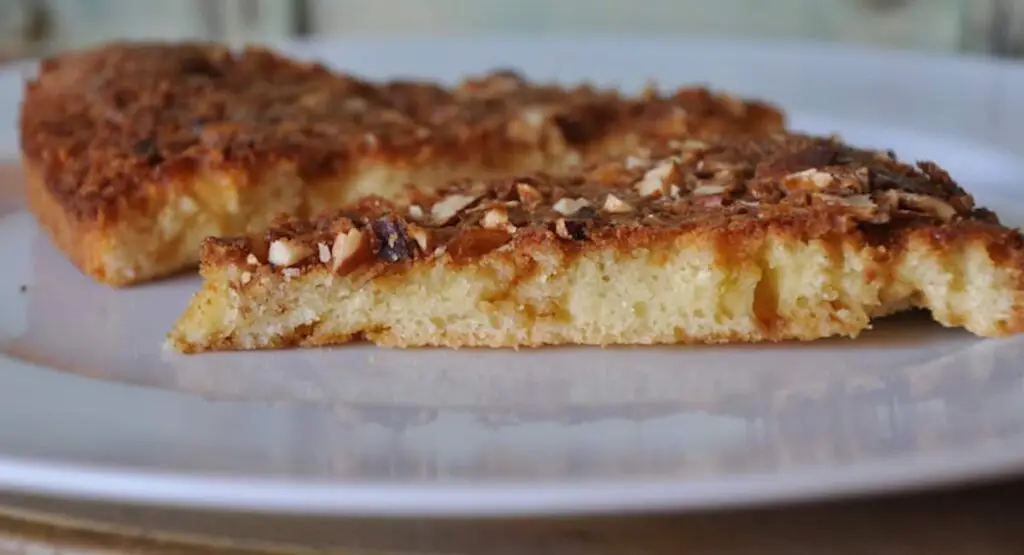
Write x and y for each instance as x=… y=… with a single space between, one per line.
x=90 y=406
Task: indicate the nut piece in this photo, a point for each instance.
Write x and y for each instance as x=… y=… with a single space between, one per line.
x=571 y=229
x=808 y=180
x=445 y=210
x=349 y=247
x=857 y=200
x=421 y=236
x=252 y=260
x=325 y=252
x=930 y=205
x=285 y=252
x=495 y=218
x=528 y=195
x=658 y=179
x=568 y=207
x=615 y=205
x=859 y=205
x=416 y=212
x=704 y=190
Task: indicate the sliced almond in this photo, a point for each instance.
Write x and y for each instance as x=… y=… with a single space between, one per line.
x=808 y=180
x=495 y=218
x=349 y=247
x=287 y=252
x=421 y=236
x=324 y=252
x=528 y=195
x=445 y=210
x=927 y=204
x=615 y=205
x=704 y=190
x=569 y=206
x=416 y=212
x=569 y=229
x=857 y=200
x=657 y=179
x=860 y=205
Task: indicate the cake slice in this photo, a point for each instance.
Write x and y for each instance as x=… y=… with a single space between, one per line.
x=134 y=153
x=786 y=238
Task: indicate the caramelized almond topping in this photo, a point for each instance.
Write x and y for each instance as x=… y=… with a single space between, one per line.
x=350 y=248
x=569 y=206
x=446 y=210
x=615 y=205
x=495 y=218
x=528 y=195
x=285 y=252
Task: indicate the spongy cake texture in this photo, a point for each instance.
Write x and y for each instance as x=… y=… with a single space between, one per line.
x=783 y=238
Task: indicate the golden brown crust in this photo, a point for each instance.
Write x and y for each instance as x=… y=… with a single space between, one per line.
x=104 y=127
x=67 y=233
x=808 y=186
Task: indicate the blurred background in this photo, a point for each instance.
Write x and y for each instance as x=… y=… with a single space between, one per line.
x=36 y=27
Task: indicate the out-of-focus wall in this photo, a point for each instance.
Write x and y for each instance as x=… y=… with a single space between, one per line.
x=930 y=24
x=944 y=25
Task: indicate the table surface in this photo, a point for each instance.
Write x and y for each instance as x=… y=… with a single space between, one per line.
x=979 y=521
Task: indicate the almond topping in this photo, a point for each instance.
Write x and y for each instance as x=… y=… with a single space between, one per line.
x=808 y=180
x=568 y=206
x=419 y=235
x=860 y=205
x=347 y=247
x=709 y=190
x=930 y=205
x=416 y=212
x=443 y=212
x=656 y=180
x=325 y=252
x=495 y=218
x=857 y=200
x=615 y=205
x=528 y=195
x=285 y=252
x=569 y=229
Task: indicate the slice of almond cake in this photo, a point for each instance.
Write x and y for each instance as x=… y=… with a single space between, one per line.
x=786 y=238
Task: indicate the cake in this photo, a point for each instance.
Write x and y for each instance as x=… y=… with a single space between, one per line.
x=785 y=237
x=136 y=152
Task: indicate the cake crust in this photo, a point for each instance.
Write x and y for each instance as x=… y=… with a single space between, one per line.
x=131 y=145
x=789 y=237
